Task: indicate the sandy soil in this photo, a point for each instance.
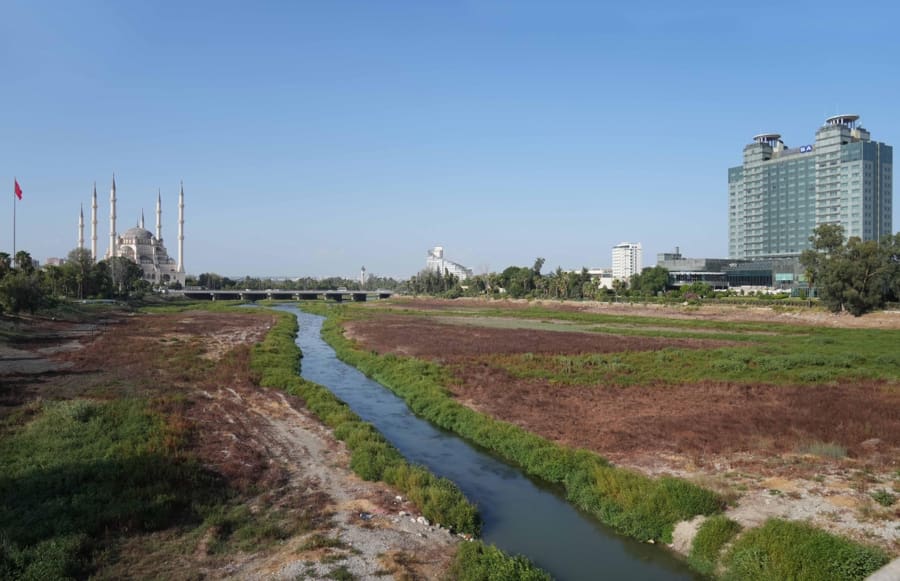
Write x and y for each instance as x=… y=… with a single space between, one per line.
x=266 y=444
x=744 y=441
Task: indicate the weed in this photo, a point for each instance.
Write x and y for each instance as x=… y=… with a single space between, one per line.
x=883 y=497
x=825 y=450
x=712 y=535
x=319 y=541
x=341 y=574
x=81 y=470
x=791 y=550
x=476 y=561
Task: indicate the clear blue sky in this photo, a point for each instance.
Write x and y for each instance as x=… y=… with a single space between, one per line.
x=317 y=137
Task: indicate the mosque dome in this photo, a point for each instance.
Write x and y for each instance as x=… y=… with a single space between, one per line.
x=137 y=234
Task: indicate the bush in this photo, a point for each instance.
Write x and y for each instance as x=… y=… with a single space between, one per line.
x=791 y=550
x=476 y=561
x=713 y=534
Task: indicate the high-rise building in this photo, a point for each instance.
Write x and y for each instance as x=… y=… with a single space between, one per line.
x=627 y=260
x=779 y=194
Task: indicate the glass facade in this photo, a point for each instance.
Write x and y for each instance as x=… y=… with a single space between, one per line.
x=779 y=195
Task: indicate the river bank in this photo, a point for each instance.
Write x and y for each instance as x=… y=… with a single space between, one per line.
x=482 y=328
x=284 y=503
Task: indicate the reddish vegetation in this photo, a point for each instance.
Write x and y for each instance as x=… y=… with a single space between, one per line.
x=422 y=337
x=693 y=420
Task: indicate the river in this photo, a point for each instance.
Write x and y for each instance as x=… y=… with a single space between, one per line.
x=521 y=515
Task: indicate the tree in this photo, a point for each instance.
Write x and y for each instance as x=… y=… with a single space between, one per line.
x=24 y=262
x=5 y=264
x=22 y=291
x=856 y=276
x=127 y=276
x=651 y=280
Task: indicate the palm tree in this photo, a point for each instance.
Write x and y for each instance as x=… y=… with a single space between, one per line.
x=24 y=261
x=5 y=263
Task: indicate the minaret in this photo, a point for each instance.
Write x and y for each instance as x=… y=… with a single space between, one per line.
x=181 y=229
x=141 y=223
x=112 y=219
x=158 y=215
x=94 y=224
x=81 y=228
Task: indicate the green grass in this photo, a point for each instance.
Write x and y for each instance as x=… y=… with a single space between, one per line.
x=706 y=549
x=633 y=504
x=772 y=353
x=781 y=550
x=81 y=471
x=477 y=561
x=276 y=360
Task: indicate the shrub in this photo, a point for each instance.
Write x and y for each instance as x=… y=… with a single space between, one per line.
x=713 y=534
x=476 y=561
x=791 y=550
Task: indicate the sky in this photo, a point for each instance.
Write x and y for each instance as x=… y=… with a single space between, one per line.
x=314 y=138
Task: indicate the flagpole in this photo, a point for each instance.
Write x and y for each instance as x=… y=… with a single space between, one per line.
x=14 y=219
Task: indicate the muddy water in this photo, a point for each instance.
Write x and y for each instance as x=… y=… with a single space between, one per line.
x=521 y=516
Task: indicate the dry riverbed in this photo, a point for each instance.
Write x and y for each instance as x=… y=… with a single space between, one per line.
x=267 y=446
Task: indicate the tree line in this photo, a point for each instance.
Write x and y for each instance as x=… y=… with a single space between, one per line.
x=213 y=281
x=23 y=287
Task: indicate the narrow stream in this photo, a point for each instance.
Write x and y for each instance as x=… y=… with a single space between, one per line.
x=521 y=515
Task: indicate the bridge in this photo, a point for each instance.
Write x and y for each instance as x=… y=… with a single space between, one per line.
x=283 y=295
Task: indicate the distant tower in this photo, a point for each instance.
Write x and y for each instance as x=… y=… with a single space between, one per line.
x=362 y=276
x=81 y=228
x=141 y=223
x=181 y=229
x=94 y=224
x=158 y=215
x=112 y=218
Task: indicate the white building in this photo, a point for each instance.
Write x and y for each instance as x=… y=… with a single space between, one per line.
x=627 y=260
x=435 y=261
x=603 y=277
x=138 y=244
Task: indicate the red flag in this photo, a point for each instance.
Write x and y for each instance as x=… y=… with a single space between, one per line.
x=18 y=190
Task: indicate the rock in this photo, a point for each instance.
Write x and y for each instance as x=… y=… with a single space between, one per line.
x=402 y=513
x=398 y=498
x=871 y=443
x=422 y=521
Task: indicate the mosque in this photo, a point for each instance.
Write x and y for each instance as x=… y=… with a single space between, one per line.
x=138 y=244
